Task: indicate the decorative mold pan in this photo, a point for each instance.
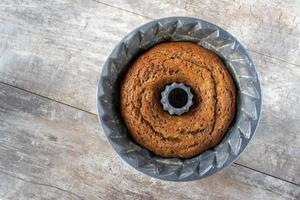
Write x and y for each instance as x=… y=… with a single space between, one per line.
x=237 y=62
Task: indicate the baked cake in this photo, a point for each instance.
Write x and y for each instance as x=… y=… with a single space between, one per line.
x=208 y=119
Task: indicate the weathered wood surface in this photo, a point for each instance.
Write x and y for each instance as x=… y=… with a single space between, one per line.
x=269 y=27
x=275 y=149
x=55 y=49
x=52 y=151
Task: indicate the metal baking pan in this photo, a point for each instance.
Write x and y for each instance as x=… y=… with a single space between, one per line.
x=237 y=62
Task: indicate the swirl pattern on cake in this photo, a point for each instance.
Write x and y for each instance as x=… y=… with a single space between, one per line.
x=206 y=122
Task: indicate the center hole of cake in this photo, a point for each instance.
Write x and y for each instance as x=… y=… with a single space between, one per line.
x=178 y=98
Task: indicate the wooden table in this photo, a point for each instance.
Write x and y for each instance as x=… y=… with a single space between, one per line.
x=51 y=146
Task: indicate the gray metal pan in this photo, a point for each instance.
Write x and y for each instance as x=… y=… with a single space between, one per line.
x=239 y=65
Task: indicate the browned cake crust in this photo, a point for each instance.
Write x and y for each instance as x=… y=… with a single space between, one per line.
x=189 y=134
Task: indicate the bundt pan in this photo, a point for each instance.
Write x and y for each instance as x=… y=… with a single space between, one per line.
x=237 y=62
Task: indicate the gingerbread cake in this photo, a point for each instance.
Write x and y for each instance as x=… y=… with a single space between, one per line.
x=213 y=103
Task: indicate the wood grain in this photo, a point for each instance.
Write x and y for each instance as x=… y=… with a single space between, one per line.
x=52 y=151
x=270 y=27
x=56 y=48
x=275 y=149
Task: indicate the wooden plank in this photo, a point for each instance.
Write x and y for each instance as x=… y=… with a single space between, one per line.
x=275 y=149
x=269 y=27
x=56 y=48
x=49 y=151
